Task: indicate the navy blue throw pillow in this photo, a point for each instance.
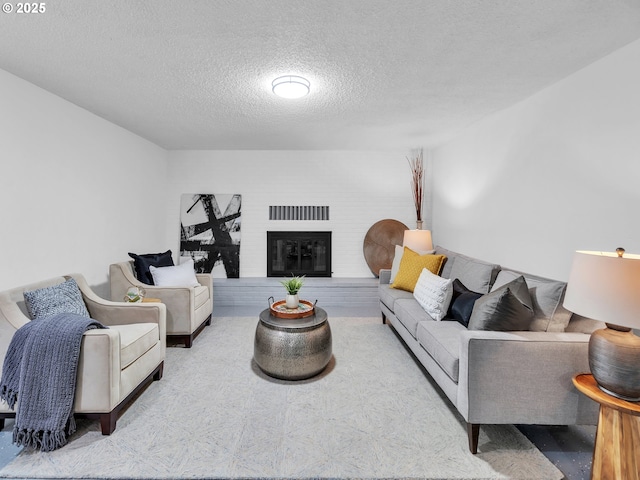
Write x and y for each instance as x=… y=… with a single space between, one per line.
x=462 y=308
x=462 y=303
x=143 y=262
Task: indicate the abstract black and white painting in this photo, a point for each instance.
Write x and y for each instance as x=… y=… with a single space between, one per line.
x=210 y=233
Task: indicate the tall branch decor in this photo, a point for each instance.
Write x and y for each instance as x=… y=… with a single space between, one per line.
x=416 y=164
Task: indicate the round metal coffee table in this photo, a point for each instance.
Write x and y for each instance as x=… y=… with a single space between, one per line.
x=292 y=349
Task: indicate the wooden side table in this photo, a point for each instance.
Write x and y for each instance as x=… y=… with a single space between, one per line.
x=615 y=456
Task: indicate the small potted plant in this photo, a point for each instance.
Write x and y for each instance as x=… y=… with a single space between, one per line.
x=293 y=286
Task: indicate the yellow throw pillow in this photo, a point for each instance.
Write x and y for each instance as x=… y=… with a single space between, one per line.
x=411 y=267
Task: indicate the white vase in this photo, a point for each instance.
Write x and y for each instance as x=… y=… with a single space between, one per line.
x=292 y=301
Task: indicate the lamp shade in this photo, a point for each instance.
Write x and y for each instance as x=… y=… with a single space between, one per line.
x=605 y=287
x=418 y=240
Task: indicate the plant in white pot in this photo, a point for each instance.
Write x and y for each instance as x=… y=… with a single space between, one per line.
x=293 y=286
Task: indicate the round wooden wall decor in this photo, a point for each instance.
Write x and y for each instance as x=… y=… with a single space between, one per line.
x=380 y=243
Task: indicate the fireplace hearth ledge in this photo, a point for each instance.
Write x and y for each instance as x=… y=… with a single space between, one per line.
x=337 y=291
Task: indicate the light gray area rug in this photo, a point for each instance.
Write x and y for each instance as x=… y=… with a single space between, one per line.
x=372 y=414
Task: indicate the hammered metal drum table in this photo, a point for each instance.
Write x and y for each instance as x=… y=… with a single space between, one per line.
x=292 y=349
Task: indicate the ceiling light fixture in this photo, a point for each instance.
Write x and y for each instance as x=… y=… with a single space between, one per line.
x=291 y=86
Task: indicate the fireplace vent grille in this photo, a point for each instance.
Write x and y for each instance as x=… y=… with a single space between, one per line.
x=304 y=212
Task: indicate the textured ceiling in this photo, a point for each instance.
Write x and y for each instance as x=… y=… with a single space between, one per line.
x=385 y=74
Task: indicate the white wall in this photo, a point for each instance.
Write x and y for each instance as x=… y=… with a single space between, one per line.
x=76 y=192
x=524 y=188
x=359 y=187
x=550 y=175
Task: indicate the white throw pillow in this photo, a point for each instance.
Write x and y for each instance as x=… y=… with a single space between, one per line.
x=434 y=294
x=182 y=275
x=395 y=265
x=397 y=256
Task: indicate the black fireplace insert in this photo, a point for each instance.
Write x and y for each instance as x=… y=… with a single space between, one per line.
x=299 y=253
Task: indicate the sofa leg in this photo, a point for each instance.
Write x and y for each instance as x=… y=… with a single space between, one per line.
x=473 y=431
x=4 y=417
x=108 y=422
x=158 y=374
x=187 y=340
x=384 y=319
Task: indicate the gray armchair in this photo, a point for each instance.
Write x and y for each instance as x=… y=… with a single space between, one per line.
x=114 y=364
x=188 y=308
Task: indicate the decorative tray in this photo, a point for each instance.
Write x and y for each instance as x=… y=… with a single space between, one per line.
x=280 y=310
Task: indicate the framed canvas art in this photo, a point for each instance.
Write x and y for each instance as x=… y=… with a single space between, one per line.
x=210 y=232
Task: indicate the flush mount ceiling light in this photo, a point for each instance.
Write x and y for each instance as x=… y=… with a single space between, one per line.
x=290 y=86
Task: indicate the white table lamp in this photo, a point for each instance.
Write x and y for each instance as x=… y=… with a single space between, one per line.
x=605 y=286
x=418 y=240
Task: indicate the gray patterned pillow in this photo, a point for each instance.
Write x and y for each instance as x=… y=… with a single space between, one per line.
x=62 y=298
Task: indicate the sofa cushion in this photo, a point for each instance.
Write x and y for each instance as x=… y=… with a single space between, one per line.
x=411 y=267
x=389 y=295
x=144 y=261
x=62 y=298
x=581 y=324
x=477 y=275
x=549 y=315
x=135 y=340
x=507 y=308
x=442 y=341
x=433 y=293
x=410 y=314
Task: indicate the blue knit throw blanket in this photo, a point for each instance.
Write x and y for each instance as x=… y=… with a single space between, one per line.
x=40 y=370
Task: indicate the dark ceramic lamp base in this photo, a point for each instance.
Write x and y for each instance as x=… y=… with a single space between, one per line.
x=614 y=359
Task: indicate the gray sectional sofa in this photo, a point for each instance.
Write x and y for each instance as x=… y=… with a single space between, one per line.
x=499 y=377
